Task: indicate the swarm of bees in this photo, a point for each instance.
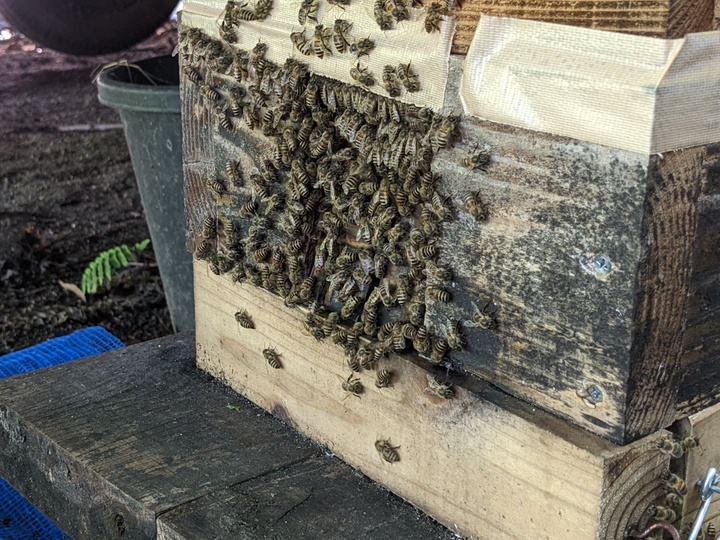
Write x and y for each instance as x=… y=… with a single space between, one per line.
x=236 y=12
x=344 y=214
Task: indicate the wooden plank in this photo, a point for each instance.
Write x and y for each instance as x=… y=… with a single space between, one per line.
x=483 y=463
x=132 y=433
x=655 y=18
x=318 y=498
x=701 y=343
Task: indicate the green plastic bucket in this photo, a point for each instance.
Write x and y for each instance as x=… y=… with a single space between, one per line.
x=147 y=96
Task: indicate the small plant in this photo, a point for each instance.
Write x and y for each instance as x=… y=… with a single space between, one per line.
x=104 y=266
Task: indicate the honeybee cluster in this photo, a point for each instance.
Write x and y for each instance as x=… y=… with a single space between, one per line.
x=344 y=212
x=236 y=12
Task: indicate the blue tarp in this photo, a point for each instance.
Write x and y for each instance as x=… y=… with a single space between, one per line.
x=19 y=520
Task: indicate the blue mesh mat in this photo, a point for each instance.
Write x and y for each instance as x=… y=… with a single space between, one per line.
x=19 y=520
x=80 y=344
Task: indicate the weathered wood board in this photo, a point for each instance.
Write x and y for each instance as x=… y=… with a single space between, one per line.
x=587 y=256
x=483 y=463
x=663 y=19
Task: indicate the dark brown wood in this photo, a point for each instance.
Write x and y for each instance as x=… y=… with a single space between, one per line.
x=313 y=497
x=700 y=362
x=655 y=18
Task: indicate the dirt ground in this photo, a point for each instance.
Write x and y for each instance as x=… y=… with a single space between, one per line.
x=67 y=193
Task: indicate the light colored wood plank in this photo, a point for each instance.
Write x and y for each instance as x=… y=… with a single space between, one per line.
x=484 y=464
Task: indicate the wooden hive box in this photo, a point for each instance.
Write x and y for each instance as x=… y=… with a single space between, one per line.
x=587 y=290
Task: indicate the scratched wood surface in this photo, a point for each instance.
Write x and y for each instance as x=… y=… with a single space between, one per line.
x=483 y=463
x=105 y=446
x=655 y=18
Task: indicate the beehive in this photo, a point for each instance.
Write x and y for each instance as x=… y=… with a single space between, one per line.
x=577 y=273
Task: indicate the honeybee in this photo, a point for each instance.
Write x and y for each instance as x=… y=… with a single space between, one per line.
x=710 y=534
x=209 y=228
x=352 y=385
x=204 y=249
x=384 y=378
x=272 y=357
x=209 y=92
x=662 y=513
x=670 y=446
x=390 y=81
x=439 y=349
x=383 y=19
x=673 y=500
x=215 y=185
x=349 y=307
x=192 y=75
x=675 y=483
x=302 y=44
x=409 y=80
x=308 y=10
x=244 y=318
x=321 y=41
x=247 y=210
x=387 y=451
x=434 y=16
x=483 y=318
x=690 y=442
x=362 y=47
x=438 y=294
x=438 y=273
x=362 y=75
x=477 y=160
x=341 y=38
x=455 y=339
x=262 y=9
x=443 y=390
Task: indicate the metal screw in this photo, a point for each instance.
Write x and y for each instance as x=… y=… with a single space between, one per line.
x=594 y=394
x=601 y=264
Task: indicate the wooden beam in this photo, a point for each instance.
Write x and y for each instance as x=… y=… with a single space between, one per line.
x=485 y=464
x=656 y=18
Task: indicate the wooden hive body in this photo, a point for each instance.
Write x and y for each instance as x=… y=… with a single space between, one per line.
x=599 y=266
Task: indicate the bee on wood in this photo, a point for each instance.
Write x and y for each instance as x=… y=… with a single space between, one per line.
x=388 y=299
x=308 y=10
x=272 y=357
x=244 y=318
x=231 y=171
x=438 y=294
x=362 y=75
x=662 y=513
x=434 y=17
x=671 y=447
x=409 y=80
x=250 y=118
x=247 y=210
x=209 y=228
x=689 y=442
x=321 y=41
x=306 y=288
x=673 y=500
x=455 y=339
x=477 y=160
x=225 y=121
x=383 y=19
x=384 y=378
x=330 y=323
x=240 y=67
x=210 y=93
x=204 y=249
x=390 y=81
x=362 y=47
x=261 y=254
x=192 y=75
x=427 y=252
x=365 y=358
x=443 y=390
x=262 y=9
x=349 y=307
x=438 y=273
x=710 y=533
x=675 y=483
x=351 y=385
x=483 y=318
x=475 y=206
x=301 y=43
x=439 y=349
x=341 y=35
x=353 y=363
x=215 y=185
x=387 y=451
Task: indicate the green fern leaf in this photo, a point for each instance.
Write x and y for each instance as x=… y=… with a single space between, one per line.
x=122 y=258
x=126 y=251
x=142 y=246
x=106 y=265
x=113 y=258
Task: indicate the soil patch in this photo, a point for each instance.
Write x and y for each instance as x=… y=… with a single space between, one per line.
x=67 y=193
